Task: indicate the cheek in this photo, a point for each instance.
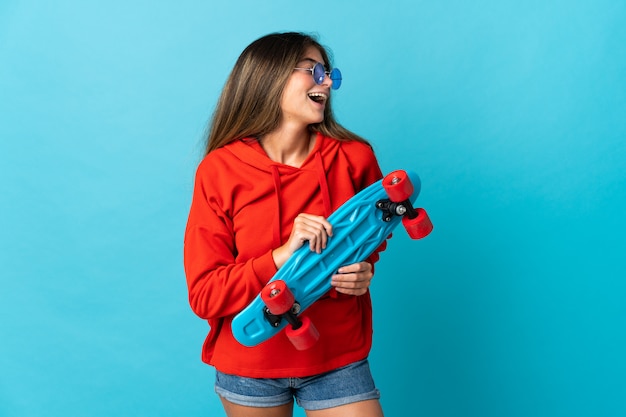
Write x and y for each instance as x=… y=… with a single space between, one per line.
x=293 y=100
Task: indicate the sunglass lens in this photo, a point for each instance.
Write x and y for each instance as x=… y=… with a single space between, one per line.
x=335 y=75
x=319 y=73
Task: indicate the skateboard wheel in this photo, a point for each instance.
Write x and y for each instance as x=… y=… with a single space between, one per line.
x=418 y=227
x=398 y=186
x=305 y=336
x=277 y=297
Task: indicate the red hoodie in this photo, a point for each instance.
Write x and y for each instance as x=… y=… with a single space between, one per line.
x=243 y=207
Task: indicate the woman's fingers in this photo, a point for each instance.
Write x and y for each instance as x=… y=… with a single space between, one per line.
x=353 y=279
x=312 y=229
x=306 y=228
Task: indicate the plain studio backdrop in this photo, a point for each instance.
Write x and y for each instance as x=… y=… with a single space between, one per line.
x=513 y=113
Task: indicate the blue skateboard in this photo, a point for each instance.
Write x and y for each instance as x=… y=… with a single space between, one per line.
x=360 y=226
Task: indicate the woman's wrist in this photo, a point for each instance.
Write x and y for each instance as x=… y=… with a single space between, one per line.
x=280 y=256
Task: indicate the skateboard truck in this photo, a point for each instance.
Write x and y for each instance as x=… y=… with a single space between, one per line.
x=291 y=316
x=399 y=189
x=280 y=303
x=391 y=209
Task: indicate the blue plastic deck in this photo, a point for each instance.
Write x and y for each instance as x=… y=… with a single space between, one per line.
x=358 y=229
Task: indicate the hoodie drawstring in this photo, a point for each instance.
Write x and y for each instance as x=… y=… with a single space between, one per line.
x=277 y=191
x=324 y=189
x=321 y=177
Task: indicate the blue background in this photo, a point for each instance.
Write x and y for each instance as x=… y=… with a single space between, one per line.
x=513 y=113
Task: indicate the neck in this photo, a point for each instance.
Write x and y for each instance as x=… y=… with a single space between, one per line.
x=288 y=147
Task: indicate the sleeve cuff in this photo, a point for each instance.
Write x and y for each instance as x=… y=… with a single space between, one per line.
x=264 y=267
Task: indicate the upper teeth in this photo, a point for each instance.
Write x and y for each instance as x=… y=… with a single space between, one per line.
x=318 y=95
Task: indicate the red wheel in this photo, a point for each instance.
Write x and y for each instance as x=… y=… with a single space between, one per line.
x=418 y=227
x=277 y=297
x=398 y=186
x=305 y=336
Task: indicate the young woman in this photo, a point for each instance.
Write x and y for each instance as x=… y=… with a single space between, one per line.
x=277 y=164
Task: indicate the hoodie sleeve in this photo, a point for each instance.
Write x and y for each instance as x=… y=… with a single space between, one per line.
x=370 y=174
x=365 y=170
x=218 y=285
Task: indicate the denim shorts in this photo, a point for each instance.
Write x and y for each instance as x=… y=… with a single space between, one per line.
x=342 y=386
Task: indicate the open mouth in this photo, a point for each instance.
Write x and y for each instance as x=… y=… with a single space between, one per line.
x=318 y=97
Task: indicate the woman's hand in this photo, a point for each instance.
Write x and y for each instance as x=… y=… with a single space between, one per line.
x=306 y=228
x=353 y=279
